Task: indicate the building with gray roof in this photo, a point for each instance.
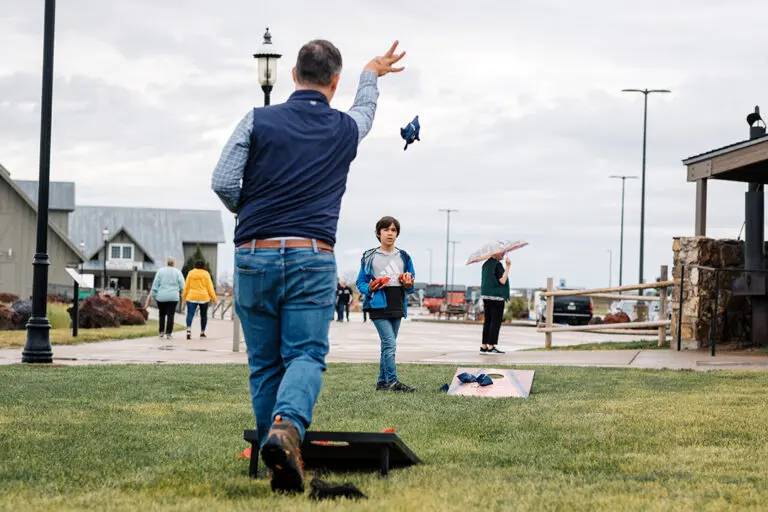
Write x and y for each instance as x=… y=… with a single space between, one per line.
x=136 y=241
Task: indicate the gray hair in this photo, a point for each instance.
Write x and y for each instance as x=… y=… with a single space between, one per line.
x=318 y=62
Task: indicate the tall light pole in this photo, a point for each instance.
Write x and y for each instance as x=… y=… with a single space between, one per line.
x=430 y=265
x=267 y=58
x=453 y=267
x=447 y=244
x=37 y=348
x=105 y=235
x=82 y=251
x=645 y=93
x=621 y=242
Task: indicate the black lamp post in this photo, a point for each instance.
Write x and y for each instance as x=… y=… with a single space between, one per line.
x=645 y=93
x=267 y=59
x=106 y=255
x=37 y=348
x=621 y=242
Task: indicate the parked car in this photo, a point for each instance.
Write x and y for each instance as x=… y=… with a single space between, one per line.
x=568 y=309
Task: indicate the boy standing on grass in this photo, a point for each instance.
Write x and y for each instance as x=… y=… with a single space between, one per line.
x=385 y=302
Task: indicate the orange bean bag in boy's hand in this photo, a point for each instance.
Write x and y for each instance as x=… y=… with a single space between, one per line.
x=379 y=281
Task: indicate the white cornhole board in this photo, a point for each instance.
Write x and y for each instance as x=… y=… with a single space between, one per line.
x=511 y=383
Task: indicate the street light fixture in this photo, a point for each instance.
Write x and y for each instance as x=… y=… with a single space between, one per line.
x=106 y=240
x=645 y=93
x=267 y=58
x=621 y=243
x=37 y=348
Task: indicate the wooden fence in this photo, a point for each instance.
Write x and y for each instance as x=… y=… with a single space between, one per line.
x=550 y=293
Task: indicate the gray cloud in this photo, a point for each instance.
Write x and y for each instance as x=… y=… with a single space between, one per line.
x=522 y=117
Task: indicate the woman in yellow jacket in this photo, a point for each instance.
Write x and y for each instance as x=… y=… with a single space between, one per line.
x=198 y=291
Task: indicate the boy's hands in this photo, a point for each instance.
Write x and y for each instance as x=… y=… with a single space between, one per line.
x=407 y=280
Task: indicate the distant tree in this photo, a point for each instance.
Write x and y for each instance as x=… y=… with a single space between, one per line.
x=190 y=264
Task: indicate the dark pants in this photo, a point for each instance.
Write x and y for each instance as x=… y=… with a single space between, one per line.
x=192 y=309
x=341 y=307
x=494 y=315
x=167 y=312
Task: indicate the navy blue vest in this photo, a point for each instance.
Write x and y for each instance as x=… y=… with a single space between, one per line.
x=297 y=170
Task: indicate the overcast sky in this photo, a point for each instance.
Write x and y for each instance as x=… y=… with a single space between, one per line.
x=520 y=104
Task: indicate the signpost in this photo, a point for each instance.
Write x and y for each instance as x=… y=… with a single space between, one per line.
x=86 y=281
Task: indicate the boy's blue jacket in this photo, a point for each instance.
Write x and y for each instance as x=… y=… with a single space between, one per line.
x=378 y=299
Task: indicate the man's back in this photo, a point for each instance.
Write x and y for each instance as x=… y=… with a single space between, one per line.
x=297 y=170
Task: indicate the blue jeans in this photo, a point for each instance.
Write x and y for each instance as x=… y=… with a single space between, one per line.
x=285 y=300
x=388 y=330
x=192 y=309
x=340 y=309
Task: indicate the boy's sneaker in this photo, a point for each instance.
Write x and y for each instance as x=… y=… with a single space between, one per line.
x=189 y=335
x=203 y=336
x=494 y=350
x=381 y=386
x=162 y=335
x=281 y=453
x=399 y=386
x=484 y=350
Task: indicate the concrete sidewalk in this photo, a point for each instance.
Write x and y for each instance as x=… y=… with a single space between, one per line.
x=419 y=342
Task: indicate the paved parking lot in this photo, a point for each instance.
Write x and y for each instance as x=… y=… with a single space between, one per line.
x=419 y=342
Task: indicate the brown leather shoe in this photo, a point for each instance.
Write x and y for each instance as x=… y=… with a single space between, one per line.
x=282 y=455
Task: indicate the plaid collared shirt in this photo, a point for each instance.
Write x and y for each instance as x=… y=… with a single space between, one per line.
x=227 y=176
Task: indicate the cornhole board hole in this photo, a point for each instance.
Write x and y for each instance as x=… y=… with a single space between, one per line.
x=506 y=383
x=345 y=452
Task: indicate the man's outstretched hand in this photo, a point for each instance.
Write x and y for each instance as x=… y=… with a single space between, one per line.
x=383 y=65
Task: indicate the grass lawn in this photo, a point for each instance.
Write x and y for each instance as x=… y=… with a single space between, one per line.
x=61 y=332
x=142 y=437
x=608 y=345
x=63 y=336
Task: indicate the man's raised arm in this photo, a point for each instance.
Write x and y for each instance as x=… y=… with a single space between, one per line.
x=229 y=171
x=363 y=110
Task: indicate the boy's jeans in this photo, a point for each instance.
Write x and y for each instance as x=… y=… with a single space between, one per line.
x=285 y=300
x=388 y=330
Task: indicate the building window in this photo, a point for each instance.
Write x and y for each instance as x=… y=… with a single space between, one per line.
x=121 y=252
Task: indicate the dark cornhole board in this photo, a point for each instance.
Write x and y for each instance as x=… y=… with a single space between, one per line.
x=345 y=452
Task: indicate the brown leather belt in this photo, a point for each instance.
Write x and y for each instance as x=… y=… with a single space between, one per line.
x=303 y=243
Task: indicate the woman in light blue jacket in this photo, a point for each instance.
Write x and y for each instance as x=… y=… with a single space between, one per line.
x=166 y=290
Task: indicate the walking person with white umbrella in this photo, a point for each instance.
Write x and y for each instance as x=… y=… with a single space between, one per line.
x=494 y=292
x=494 y=289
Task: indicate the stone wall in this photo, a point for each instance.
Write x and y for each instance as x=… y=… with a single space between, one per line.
x=733 y=324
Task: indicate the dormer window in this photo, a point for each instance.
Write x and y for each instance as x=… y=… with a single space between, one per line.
x=121 y=252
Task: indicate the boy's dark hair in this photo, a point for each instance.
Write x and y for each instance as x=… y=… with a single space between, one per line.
x=199 y=264
x=317 y=63
x=384 y=223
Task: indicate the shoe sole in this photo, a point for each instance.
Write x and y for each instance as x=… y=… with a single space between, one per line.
x=286 y=477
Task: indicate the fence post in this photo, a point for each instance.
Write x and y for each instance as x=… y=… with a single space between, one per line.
x=235 y=331
x=663 y=307
x=550 y=313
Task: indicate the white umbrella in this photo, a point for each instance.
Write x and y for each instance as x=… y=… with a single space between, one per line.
x=496 y=247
